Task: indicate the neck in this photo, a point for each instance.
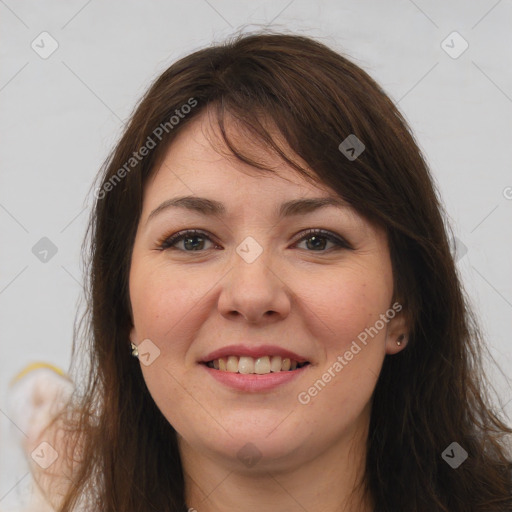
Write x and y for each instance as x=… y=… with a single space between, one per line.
x=326 y=482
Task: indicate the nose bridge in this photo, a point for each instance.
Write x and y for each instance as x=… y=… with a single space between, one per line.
x=252 y=287
x=252 y=262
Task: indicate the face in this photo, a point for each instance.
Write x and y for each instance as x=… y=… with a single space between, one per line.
x=250 y=289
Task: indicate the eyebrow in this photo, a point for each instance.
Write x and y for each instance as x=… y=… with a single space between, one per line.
x=206 y=206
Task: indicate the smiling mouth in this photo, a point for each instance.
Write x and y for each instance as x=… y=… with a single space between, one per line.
x=259 y=366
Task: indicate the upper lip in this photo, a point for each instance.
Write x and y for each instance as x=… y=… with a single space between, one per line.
x=255 y=352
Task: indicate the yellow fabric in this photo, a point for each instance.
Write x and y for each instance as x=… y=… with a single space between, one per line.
x=36 y=366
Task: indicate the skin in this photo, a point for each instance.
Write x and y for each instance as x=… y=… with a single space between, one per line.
x=313 y=301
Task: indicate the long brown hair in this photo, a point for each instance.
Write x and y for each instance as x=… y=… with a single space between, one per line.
x=431 y=394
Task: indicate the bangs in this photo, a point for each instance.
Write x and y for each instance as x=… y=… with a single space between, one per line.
x=245 y=130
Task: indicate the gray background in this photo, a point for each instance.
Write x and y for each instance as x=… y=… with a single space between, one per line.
x=61 y=115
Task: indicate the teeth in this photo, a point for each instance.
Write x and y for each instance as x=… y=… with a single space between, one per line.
x=245 y=365
x=262 y=365
x=232 y=364
x=259 y=366
x=275 y=364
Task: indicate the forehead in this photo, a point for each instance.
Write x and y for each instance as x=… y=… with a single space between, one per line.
x=198 y=160
x=199 y=175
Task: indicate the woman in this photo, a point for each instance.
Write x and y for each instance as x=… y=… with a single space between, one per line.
x=276 y=321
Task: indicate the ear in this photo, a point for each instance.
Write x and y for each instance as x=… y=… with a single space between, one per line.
x=398 y=330
x=133 y=335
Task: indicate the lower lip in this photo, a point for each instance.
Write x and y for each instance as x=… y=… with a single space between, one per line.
x=252 y=382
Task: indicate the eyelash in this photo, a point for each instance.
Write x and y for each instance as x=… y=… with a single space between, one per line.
x=171 y=241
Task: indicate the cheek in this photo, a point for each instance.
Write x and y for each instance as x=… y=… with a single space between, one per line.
x=346 y=305
x=349 y=308
x=162 y=303
x=346 y=309
x=161 y=298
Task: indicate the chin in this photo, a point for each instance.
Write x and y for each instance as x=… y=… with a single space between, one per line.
x=264 y=445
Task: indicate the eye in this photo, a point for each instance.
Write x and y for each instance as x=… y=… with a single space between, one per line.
x=319 y=238
x=190 y=238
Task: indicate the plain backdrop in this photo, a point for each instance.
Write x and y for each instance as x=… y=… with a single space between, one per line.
x=61 y=115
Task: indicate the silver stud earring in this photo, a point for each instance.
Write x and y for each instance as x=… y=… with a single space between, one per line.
x=400 y=339
x=135 y=350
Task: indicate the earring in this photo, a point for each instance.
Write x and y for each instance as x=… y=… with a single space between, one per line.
x=400 y=339
x=135 y=350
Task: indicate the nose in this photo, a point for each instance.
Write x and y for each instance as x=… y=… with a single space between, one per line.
x=255 y=291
